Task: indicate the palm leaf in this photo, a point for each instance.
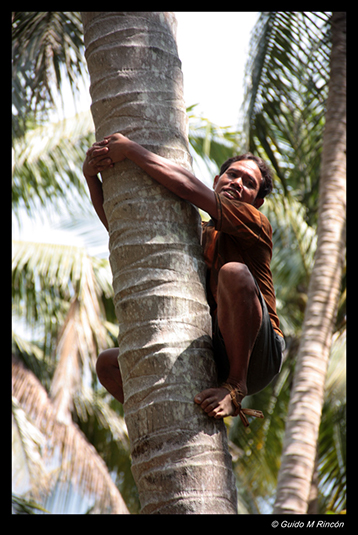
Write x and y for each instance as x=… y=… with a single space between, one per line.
x=77 y=460
x=259 y=446
x=332 y=433
x=45 y=277
x=294 y=245
x=87 y=226
x=29 y=471
x=55 y=275
x=211 y=143
x=100 y=418
x=47 y=164
x=43 y=270
x=286 y=90
x=82 y=337
x=44 y=45
x=66 y=294
x=31 y=353
x=21 y=506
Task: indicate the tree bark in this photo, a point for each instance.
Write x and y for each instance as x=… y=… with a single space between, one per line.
x=180 y=458
x=304 y=416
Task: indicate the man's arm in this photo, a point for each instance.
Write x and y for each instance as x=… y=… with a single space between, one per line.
x=172 y=176
x=94 y=184
x=95 y=187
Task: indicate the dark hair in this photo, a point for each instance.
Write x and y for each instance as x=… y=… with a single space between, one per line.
x=267 y=184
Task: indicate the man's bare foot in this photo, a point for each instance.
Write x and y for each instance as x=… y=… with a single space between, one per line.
x=216 y=402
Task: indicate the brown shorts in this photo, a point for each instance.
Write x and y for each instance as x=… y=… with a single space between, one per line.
x=266 y=357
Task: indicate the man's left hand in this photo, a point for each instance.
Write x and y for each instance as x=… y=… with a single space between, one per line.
x=97 y=159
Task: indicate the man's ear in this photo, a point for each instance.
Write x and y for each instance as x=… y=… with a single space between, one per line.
x=258 y=202
x=216 y=181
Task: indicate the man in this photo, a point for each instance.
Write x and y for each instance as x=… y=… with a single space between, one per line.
x=247 y=340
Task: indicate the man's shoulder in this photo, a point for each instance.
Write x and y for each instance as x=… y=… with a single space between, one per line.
x=239 y=209
x=244 y=221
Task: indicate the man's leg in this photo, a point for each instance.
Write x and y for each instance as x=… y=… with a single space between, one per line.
x=108 y=373
x=239 y=317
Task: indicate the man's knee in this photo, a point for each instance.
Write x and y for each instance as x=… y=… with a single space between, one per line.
x=236 y=277
x=106 y=360
x=101 y=364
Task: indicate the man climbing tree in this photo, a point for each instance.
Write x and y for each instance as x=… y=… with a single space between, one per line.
x=180 y=458
x=237 y=244
x=173 y=403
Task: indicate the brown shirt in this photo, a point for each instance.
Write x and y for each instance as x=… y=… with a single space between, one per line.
x=240 y=234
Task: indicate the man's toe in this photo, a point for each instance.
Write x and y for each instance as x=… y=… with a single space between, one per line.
x=199 y=398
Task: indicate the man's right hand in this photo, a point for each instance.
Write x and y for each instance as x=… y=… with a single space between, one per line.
x=97 y=159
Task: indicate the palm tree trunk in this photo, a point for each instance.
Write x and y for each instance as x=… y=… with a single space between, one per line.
x=180 y=459
x=299 y=448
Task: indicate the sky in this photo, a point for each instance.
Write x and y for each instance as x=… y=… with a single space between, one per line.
x=213 y=48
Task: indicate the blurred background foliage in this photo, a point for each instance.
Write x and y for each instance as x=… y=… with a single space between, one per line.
x=70 y=444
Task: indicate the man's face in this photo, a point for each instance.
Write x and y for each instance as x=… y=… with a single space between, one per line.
x=241 y=181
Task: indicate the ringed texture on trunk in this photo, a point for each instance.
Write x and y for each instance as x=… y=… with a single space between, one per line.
x=180 y=458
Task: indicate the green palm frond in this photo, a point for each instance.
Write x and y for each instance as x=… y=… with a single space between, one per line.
x=49 y=279
x=31 y=352
x=64 y=448
x=45 y=44
x=26 y=347
x=294 y=245
x=211 y=143
x=44 y=279
x=100 y=418
x=336 y=374
x=258 y=447
x=66 y=295
x=332 y=434
x=29 y=471
x=77 y=347
x=87 y=226
x=60 y=271
x=286 y=90
x=47 y=164
x=257 y=450
x=21 y=506
x=284 y=111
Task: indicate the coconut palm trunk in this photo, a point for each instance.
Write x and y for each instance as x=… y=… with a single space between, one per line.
x=299 y=448
x=180 y=459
